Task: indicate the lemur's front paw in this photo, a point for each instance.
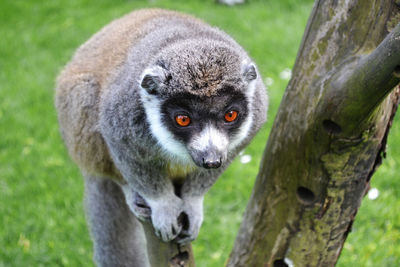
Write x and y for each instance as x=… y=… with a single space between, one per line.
x=192 y=219
x=164 y=216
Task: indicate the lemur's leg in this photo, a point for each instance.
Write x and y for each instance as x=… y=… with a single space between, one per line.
x=118 y=236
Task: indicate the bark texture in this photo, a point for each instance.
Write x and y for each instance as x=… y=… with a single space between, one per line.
x=328 y=136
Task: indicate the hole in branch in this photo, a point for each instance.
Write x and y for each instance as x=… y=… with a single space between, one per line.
x=305 y=195
x=331 y=127
x=280 y=263
x=396 y=72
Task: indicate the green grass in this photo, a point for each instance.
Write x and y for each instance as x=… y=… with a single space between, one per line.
x=41 y=215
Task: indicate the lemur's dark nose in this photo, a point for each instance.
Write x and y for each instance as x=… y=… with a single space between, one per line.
x=211 y=163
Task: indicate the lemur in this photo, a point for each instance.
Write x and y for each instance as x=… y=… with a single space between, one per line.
x=152 y=109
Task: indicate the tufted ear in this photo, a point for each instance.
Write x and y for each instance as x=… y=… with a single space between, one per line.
x=249 y=72
x=152 y=79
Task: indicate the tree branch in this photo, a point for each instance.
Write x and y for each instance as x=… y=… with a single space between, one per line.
x=361 y=84
x=171 y=254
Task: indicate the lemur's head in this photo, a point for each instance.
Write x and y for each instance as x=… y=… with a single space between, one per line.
x=198 y=102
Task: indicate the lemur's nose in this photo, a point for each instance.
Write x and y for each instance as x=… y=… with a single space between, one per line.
x=211 y=164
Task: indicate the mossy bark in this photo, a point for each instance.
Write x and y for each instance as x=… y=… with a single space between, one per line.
x=328 y=136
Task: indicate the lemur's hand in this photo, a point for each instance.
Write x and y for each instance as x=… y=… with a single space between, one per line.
x=164 y=216
x=193 y=209
x=163 y=212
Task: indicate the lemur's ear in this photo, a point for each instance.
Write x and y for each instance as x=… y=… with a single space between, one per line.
x=152 y=79
x=249 y=71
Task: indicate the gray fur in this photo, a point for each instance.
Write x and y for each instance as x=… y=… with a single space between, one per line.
x=107 y=103
x=125 y=245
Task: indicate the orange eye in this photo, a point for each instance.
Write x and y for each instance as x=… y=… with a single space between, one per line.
x=182 y=120
x=231 y=116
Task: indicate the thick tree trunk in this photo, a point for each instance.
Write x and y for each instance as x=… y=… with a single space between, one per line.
x=328 y=136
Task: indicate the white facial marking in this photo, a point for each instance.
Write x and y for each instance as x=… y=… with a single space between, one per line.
x=210 y=137
x=164 y=137
x=242 y=133
x=246 y=125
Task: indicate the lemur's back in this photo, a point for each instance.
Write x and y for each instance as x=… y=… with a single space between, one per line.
x=81 y=84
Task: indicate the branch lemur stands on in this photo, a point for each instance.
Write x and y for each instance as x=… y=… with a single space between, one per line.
x=153 y=108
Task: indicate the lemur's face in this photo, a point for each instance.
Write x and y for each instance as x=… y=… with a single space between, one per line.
x=200 y=118
x=208 y=127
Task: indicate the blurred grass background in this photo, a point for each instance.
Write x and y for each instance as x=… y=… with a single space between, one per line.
x=41 y=214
